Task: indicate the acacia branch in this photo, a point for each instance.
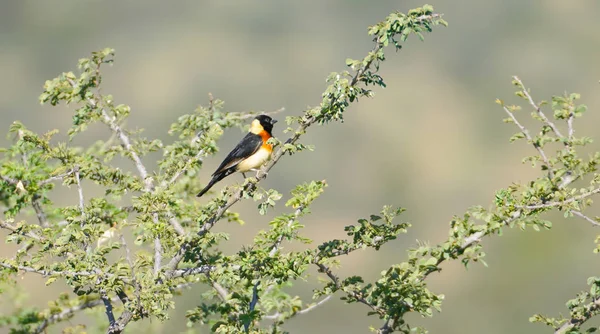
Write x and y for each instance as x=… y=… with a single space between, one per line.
x=584 y=217
x=66 y=273
x=354 y=294
x=15 y=229
x=306 y=121
x=65 y=314
x=123 y=137
x=300 y=312
x=39 y=211
x=538 y=109
x=575 y=322
x=9 y=180
x=55 y=178
x=525 y=132
x=80 y=192
x=277 y=243
x=560 y=203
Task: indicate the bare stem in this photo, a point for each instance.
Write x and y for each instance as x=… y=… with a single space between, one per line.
x=584 y=217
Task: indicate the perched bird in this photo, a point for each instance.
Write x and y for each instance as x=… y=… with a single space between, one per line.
x=249 y=154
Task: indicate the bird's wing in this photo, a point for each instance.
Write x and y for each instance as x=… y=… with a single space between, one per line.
x=245 y=148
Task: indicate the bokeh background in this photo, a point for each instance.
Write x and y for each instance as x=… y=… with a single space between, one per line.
x=432 y=142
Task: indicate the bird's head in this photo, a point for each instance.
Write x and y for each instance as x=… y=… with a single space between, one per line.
x=262 y=122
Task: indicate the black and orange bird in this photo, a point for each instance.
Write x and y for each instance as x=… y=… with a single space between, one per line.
x=249 y=154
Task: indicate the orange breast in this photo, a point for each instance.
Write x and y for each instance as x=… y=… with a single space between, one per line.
x=265 y=136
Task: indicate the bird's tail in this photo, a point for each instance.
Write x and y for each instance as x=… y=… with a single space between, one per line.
x=216 y=178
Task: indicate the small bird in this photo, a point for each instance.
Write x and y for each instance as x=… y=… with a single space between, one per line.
x=249 y=154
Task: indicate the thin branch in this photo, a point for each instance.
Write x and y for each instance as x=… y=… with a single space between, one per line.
x=187 y=164
x=572 y=323
x=277 y=243
x=14 y=229
x=46 y=272
x=538 y=109
x=223 y=293
x=65 y=314
x=157 y=255
x=570 y=129
x=55 y=178
x=177 y=226
x=111 y=121
x=300 y=312
x=584 y=217
x=131 y=265
x=9 y=180
x=560 y=203
x=80 y=192
x=123 y=137
x=39 y=211
x=336 y=281
x=530 y=139
x=192 y=271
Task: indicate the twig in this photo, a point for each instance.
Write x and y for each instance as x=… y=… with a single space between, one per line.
x=576 y=322
x=80 y=192
x=582 y=216
x=223 y=293
x=157 y=255
x=177 y=226
x=192 y=271
x=188 y=163
x=336 y=281
x=571 y=131
x=301 y=312
x=112 y=124
x=538 y=109
x=45 y=272
x=560 y=203
x=131 y=265
x=530 y=139
x=172 y=265
x=9 y=180
x=14 y=229
x=55 y=178
x=277 y=243
x=39 y=211
x=65 y=314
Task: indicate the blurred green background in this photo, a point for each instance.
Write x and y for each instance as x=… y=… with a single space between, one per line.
x=432 y=142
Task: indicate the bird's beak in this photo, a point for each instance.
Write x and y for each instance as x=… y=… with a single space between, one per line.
x=273 y=121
